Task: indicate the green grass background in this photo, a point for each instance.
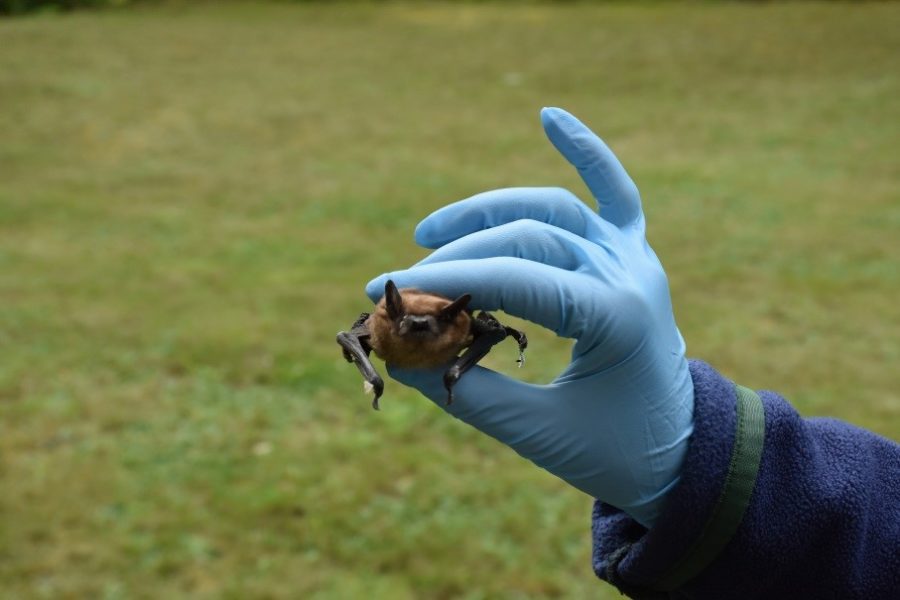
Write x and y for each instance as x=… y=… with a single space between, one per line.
x=192 y=198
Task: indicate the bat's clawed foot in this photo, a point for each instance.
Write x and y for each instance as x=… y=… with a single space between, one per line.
x=355 y=347
x=522 y=340
x=375 y=386
x=450 y=378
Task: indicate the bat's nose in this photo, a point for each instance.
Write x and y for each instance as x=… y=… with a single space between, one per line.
x=417 y=324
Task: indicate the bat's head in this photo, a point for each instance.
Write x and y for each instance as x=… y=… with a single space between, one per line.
x=416 y=329
x=418 y=315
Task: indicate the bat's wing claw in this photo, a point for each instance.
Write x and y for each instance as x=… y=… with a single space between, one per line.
x=522 y=340
x=357 y=351
x=450 y=378
x=377 y=386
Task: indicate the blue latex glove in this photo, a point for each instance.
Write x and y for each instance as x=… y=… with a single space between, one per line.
x=615 y=423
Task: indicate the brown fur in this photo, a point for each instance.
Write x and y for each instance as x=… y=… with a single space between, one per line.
x=405 y=351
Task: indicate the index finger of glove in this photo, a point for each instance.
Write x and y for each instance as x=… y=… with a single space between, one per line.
x=552 y=205
x=539 y=293
x=527 y=239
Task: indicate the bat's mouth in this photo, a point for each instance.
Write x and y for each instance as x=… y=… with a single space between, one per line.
x=418 y=326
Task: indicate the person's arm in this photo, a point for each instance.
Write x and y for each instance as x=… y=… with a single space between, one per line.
x=699 y=483
x=769 y=505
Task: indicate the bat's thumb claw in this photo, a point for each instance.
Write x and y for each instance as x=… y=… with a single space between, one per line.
x=376 y=387
x=450 y=378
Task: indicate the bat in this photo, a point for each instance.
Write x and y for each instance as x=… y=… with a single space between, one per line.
x=415 y=329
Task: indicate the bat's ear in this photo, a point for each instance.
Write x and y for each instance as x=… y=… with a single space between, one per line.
x=392 y=300
x=452 y=310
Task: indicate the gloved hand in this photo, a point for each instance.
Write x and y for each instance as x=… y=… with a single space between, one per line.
x=615 y=423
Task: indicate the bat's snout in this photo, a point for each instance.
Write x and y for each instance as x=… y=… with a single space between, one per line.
x=418 y=324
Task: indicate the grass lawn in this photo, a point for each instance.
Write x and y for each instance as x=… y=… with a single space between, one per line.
x=191 y=200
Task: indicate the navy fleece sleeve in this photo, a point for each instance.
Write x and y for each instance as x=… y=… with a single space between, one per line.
x=770 y=505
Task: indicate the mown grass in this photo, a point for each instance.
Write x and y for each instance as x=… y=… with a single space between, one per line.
x=191 y=200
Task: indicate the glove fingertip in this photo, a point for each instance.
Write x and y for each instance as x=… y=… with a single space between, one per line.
x=554 y=119
x=427 y=234
x=375 y=288
x=569 y=135
x=549 y=113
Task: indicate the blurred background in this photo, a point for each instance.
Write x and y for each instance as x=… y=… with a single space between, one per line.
x=193 y=195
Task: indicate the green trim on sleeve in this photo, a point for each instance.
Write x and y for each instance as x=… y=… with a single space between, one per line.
x=734 y=499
